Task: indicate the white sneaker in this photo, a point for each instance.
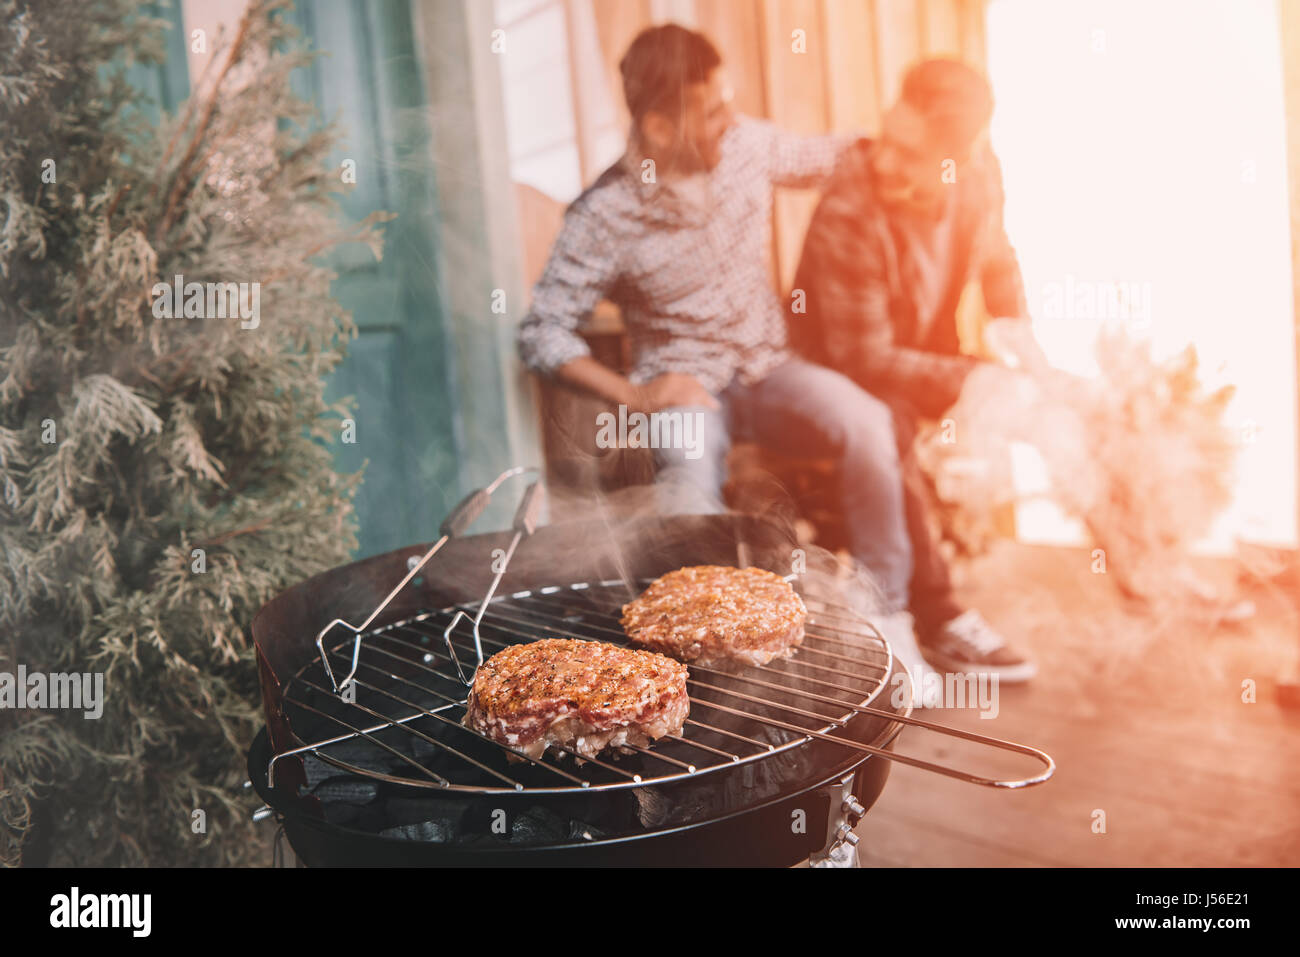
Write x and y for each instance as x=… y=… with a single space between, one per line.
x=969 y=644
x=899 y=630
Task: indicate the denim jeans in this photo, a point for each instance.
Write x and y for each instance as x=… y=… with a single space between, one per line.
x=932 y=599
x=805 y=410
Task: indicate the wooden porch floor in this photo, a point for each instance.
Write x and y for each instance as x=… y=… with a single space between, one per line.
x=1146 y=722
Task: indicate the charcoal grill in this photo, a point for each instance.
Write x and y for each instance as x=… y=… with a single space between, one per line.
x=365 y=760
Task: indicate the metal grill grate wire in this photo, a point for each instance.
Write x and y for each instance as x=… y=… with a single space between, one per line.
x=401 y=721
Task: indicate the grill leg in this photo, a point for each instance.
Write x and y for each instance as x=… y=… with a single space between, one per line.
x=841 y=845
x=841 y=856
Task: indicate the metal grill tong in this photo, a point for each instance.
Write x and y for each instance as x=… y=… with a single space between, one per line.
x=457 y=521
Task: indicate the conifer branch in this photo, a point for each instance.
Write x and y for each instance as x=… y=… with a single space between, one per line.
x=122 y=431
x=227 y=536
x=183 y=177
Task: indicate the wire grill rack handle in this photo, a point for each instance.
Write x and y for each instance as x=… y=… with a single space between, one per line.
x=1042 y=757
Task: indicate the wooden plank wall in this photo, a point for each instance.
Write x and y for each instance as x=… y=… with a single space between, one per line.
x=854 y=55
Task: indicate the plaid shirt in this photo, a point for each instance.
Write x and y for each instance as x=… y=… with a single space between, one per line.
x=692 y=281
x=862 y=311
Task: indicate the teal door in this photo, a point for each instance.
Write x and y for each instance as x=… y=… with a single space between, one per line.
x=399 y=367
x=166 y=84
x=438 y=406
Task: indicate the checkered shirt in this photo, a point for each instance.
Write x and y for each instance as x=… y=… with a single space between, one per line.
x=692 y=281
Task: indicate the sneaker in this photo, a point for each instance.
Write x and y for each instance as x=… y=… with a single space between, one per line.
x=900 y=631
x=968 y=644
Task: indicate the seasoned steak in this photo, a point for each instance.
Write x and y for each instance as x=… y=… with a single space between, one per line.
x=582 y=695
x=712 y=614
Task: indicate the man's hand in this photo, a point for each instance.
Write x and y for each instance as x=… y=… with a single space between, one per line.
x=669 y=389
x=672 y=389
x=1014 y=387
x=1010 y=341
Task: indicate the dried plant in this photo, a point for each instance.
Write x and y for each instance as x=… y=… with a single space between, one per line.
x=1140 y=455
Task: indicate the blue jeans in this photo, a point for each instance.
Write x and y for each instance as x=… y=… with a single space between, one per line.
x=805 y=410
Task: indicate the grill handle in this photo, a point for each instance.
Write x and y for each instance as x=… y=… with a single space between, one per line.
x=1045 y=759
x=1049 y=765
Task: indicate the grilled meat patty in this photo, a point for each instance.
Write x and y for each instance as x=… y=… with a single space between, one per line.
x=712 y=614
x=582 y=695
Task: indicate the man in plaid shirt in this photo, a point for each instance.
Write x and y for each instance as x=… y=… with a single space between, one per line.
x=677 y=234
x=907 y=221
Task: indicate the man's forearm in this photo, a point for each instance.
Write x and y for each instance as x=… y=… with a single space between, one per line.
x=1004 y=292
x=664 y=391
x=929 y=380
x=587 y=374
